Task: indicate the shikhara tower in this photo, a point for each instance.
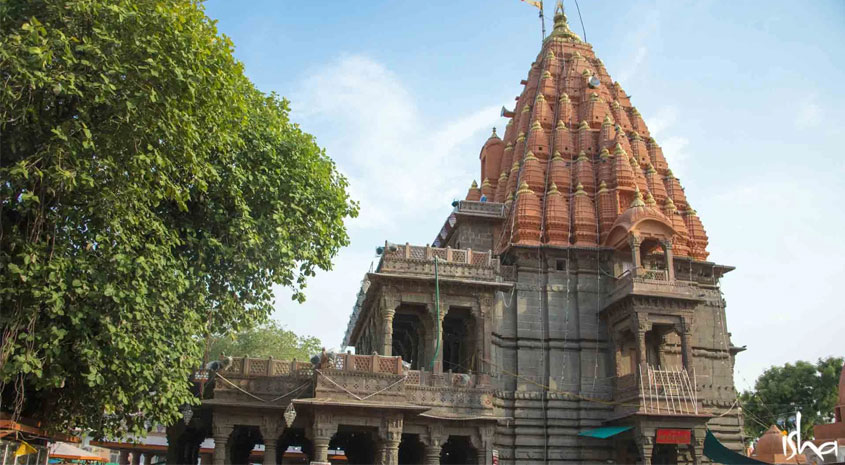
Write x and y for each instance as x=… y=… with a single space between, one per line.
x=565 y=313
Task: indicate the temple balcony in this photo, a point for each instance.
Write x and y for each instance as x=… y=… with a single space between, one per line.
x=418 y=261
x=653 y=283
x=351 y=380
x=655 y=390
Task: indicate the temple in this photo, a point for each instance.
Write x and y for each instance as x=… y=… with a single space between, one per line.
x=566 y=312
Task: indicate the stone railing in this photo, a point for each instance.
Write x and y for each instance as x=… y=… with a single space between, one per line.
x=491 y=209
x=652 y=283
x=457 y=263
x=245 y=367
x=367 y=364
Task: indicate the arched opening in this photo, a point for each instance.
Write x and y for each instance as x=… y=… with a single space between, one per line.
x=458 y=450
x=459 y=341
x=653 y=259
x=411 y=450
x=410 y=334
x=242 y=442
x=359 y=445
x=663 y=346
x=665 y=454
x=294 y=447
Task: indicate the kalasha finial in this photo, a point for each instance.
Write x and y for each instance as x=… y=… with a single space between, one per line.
x=494 y=130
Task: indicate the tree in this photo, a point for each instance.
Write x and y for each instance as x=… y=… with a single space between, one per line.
x=149 y=195
x=781 y=391
x=267 y=340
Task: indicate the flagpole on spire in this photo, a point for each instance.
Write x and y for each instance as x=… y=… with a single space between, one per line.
x=539 y=5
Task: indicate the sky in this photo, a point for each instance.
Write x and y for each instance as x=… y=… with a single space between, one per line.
x=746 y=99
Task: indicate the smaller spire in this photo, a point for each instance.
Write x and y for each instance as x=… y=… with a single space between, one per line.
x=553 y=189
x=530 y=156
x=557 y=156
x=560 y=125
x=638 y=199
x=594 y=97
x=494 y=133
x=618 y=150
x=607 y=121
x=584 y=125
x=670 y=206
x=579 y=189
x=650 y=169
x=649 y=199
x=536 y=125
x=521 y=137
x=604 y=155
x=485 y=183
x=582 y=156
x=474 y=185
x=524 y=189
x=509 y=200
x=602 y=187
x=503 y=177
x=564 y=98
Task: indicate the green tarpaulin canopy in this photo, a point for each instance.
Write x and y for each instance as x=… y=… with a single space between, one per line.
x=718 y=453
x=604 y=432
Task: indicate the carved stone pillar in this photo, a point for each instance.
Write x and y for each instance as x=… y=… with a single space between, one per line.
x=387 y=313
x=483 y=332
x=685 y=332
x=670 y=259
x=483 y=445
x=634 y=241
x=646 y=446
x=323 y=429
x=640 y=328
x=433 y=442
x=270 y=432
x=391 y=436
x=321 y=451
x=221 y=434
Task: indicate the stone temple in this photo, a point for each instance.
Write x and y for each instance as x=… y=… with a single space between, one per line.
x=565 y=313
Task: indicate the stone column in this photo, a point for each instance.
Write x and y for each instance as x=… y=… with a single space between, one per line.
x=221 y=434
x=432 y=453
x=641 y=327
x=391 y=435
x=270 y=432
x=685 y=332
x=123 y=458
x=634 y=241
x=387 y=313
x=323 y=429
x=646 y=446
x=670 y=259
x=433 y=442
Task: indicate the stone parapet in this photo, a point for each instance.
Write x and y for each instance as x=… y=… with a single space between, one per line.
x=452 y=263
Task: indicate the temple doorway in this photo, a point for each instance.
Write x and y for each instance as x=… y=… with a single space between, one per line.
x=459 y=341
x=358 y=444
x=411 y=450
x=458 y=450
x=665 y=454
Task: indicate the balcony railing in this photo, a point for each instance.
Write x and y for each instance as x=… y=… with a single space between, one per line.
x=491 y=209
x=457 y=263
x=658 y=390
x=652 y=283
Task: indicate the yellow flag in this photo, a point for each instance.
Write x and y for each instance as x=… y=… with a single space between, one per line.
x=25 y=449
x=536 y=4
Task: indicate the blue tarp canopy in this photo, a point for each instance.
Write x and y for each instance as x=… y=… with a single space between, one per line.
x=604 y=432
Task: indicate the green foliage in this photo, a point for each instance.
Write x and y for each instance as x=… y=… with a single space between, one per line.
x=150 y=194
x=267 y=340
x=780 y=391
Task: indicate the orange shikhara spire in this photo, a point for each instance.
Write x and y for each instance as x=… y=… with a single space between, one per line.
x=574 y=155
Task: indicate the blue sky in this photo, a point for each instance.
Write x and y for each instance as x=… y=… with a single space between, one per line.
x=746 y=99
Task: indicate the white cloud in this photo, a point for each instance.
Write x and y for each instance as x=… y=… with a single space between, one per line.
x=372 y=127
x=661 y=127
x=403 y=170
